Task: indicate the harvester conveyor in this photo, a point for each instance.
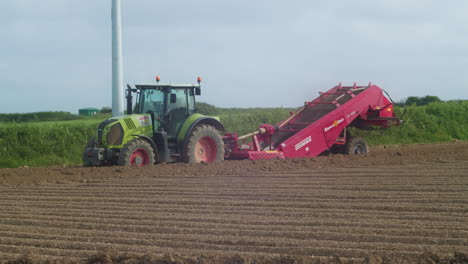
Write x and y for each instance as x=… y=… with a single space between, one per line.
x=318 y=126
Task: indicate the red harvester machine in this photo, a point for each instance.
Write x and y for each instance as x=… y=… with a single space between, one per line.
x=318 y=126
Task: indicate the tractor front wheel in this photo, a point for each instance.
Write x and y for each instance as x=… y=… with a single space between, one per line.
x=356 y=145
x=137 y=153
x=204 y=144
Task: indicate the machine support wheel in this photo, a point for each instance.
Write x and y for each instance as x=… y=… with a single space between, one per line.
x=337 y=149
x=137 y=153
x=356 y=145
x=92 y=143
x=204 y=144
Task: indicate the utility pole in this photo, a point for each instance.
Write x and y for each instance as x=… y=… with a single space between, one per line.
x=117 y=72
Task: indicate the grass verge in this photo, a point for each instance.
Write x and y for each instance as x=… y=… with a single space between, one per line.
x=62 y=142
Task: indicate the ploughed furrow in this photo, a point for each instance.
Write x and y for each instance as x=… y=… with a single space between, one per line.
x=233 y=185
x=303 y=191
x=306 y=234
x=438 y=198
x=441 y=197
x=266 y=199
x=7 y=253
x=348 y=212
x=299 y=217
x=343 y=204
x=224 y=242
x=167 y=226
x=313 y=227
x=205 y=250
x=367 y=218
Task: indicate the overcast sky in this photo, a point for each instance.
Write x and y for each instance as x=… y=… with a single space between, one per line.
x=55 y=55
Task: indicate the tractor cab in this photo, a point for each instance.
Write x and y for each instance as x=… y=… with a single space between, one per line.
x=168 y=104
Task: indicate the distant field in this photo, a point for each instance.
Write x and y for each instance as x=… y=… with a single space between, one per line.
x=61 y=142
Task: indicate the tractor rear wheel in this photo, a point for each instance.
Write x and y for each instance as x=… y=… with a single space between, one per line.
x=204 y=144
x=356 y=145
x=137 y=153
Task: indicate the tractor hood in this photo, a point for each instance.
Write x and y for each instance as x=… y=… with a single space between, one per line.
x=114 y=132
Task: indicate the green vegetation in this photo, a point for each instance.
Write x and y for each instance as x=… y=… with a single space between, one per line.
x=106 y=110
x=44 y=143
x=245 y=120
x=414 y=100
x=61 y=142
x=49 y=116
x=435 y=122
x=38 y=117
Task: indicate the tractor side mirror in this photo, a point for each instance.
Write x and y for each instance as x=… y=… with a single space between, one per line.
x=173 y=99
x=198 y=91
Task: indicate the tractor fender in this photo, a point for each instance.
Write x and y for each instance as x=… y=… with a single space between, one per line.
x=192 y=122
x=151 y=142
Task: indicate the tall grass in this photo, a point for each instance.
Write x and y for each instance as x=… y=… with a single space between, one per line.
x=62 y=143
x=38 y=117
x=47 y=116
x=248 y=120
x=44 y=143
x=436 y=122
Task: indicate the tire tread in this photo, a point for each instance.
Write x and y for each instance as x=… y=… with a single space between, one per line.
x=352 y=142
x=188 y=154
x=127 y=150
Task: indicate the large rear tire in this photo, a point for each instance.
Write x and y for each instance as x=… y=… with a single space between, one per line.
x=137 y=153
x=356 y=145
x=204 y=144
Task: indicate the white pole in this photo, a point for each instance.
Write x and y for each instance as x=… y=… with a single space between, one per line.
x=117 y=72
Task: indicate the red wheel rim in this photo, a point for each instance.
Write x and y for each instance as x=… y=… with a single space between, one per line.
x=205 y=150
x=139 y=158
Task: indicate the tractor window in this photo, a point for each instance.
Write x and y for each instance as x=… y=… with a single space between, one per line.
x=176 y=112
x=191 y=100
x=152 y=101
x=181 y=100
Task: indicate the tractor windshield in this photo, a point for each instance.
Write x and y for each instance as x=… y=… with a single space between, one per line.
x=151 y=101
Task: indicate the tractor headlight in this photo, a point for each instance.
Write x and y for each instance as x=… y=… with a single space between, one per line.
x=115 y=135
x=101 y=127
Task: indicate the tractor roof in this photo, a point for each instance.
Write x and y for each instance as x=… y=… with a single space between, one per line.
x=166 y=85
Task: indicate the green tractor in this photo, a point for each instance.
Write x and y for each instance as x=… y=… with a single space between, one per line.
x=162 y=126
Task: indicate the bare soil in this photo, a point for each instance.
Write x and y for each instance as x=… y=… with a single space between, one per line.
x=406 y=204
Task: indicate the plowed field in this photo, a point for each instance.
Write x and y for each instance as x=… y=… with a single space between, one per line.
x=393 y=204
